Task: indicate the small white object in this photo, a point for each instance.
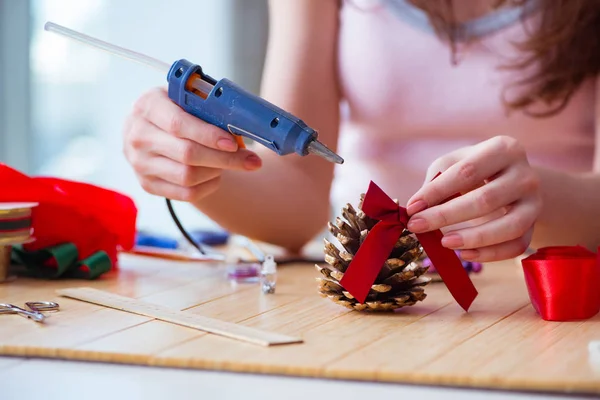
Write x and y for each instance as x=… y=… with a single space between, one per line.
x=594 y=355
x=269 y=265
x=594 y=347
x=268 y=274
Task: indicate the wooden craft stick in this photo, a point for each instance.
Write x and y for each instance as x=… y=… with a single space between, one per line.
x=187 y=319
x=5 y=252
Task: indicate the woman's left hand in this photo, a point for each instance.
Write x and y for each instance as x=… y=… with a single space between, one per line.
x=493 y=219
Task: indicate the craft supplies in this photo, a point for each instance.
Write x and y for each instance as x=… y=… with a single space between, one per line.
x=503 y=345
x=150 y=239
x=188 y=319
x=224 y=104
x=243 y=273
x=35 y=310
x=211 y=237
x=268 y=275
x=97 y=222
x=16 y=227
x=399 y=283
x=5 y=253
x=178 y=255
x=60 y=261
x=370 y=255
x=16 y=222
x=563 y=282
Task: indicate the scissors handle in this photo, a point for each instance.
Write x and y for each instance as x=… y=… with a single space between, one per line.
x=40 y=306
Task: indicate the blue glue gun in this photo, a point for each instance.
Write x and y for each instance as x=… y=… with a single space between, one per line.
x=228 y=106
x=224 y=104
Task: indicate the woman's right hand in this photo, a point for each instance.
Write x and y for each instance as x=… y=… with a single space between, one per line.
x=176 y=155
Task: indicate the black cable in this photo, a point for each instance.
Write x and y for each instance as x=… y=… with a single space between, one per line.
x=290 y=260
x=182 y=229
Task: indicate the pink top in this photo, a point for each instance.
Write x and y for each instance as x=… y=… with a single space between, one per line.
x=406 y=104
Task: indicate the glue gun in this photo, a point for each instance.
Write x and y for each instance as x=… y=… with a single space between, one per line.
x=224 y=104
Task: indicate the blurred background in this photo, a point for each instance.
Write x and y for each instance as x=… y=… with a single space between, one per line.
x=62 y=104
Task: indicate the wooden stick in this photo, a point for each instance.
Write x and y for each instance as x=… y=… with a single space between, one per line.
x=5 y=252
x=199 y=322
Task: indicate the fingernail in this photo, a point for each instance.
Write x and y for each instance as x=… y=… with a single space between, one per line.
x=418 y=225
x=252 y=162
x=469 y=255
x=227 y=144
x=452 y=241
x=416 y=207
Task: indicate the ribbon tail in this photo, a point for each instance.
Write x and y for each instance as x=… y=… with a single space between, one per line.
x=369 y=259
x=61 y=261
x=92 y=267
x=49 y=263
x=449 y=268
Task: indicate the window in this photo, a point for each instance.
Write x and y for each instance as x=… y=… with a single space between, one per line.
x=75 y=98
x=14 y=84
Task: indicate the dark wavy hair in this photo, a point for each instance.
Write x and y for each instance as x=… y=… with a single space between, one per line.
x=564 y=49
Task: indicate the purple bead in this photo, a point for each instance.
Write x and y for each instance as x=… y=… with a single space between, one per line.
x=477 y=267
x=469 y=266
x=427 y=263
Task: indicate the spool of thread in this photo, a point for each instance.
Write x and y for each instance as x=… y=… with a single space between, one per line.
x=16 y=227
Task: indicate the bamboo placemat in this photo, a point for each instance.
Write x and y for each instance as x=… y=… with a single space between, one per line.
x=501 y=343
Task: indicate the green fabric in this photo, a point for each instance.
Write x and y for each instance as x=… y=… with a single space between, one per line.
x=66 y=262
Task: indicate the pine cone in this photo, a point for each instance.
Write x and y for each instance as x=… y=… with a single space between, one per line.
x=399 y=283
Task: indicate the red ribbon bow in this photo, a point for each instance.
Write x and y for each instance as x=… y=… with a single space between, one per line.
x=378 y=245
x=563 y=282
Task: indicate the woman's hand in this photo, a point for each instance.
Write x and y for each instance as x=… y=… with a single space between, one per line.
x=176 y=155
x=493 y=219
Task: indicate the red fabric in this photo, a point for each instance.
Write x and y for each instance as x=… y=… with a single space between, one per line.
x=563 y=282
x=376 y=248
x=88 y=216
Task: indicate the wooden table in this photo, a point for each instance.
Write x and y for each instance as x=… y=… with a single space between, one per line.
x=500 y=344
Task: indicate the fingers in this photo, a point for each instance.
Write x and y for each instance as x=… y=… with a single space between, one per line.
x=512 y=226
x=164 y=177
x=156 y=107
x=176 y=155
x=159 y=187
x=483 y=162
x=178 y=174
x=516 y=183
x=443 y=163
x=500 y=201
x=502 y=251
x=147 y=138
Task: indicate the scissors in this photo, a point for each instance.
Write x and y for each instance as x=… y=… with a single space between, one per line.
x=35 y=312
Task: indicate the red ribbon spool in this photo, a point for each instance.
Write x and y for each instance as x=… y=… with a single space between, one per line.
x=563 y=282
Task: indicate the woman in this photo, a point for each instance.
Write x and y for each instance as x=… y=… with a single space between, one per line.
x=500 y=96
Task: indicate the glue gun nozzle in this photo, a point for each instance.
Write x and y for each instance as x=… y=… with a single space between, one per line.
x=317 y=148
